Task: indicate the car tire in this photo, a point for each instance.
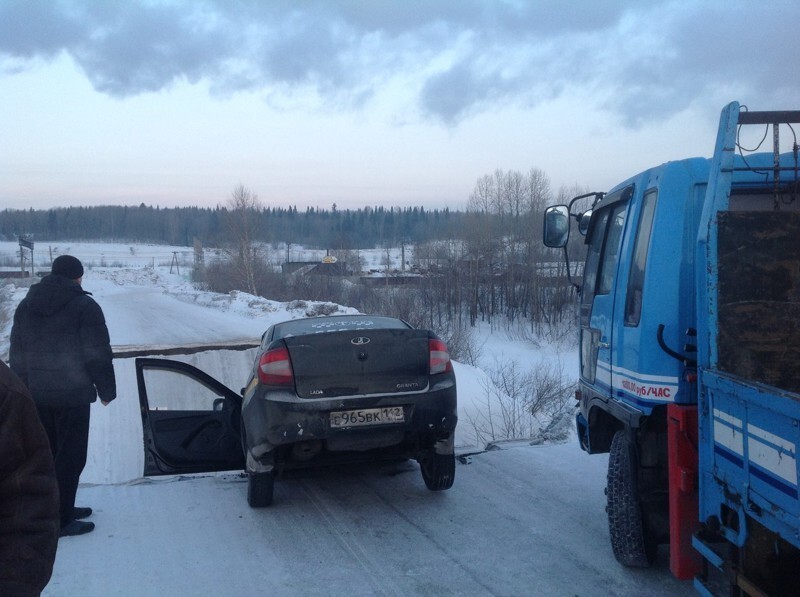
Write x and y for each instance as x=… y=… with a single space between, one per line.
x=438 y=470
x=631 y=543
x=260 y=487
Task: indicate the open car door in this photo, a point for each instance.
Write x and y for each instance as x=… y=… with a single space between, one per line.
x=191 y=421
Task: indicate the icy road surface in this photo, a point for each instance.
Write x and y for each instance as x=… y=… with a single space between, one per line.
x=522 y=520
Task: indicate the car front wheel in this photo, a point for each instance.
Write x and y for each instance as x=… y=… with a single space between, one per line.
x=632 y=544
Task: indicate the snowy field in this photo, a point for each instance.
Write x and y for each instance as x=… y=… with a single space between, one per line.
x=187 y=536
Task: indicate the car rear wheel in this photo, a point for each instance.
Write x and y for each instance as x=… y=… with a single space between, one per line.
x=438 y=470
x=260 y=487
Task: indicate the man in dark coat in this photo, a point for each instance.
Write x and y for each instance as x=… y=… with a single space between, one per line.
x=60 y=349
x=29 y=509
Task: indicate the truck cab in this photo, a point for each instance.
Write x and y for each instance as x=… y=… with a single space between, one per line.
x=637 y=340
x=637 y=295
x=671 y=355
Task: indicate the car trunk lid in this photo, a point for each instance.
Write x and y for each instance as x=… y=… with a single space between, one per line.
x=359 y=362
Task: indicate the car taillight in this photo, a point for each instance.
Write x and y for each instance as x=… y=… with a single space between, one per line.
x=275 y=368
x=439 y=359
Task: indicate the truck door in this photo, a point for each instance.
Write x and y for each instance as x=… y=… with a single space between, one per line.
x=598 y=294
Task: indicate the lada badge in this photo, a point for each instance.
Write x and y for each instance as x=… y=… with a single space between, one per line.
x=359 y=341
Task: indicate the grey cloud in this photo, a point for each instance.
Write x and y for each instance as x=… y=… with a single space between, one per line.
x=138 y=50
x=458 y=57
x=450 y=94
x=717 y=48
x=455 y=94
x=510 y=18
x=754 y=50
x=36 y=28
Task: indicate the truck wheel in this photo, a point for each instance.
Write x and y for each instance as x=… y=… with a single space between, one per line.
x=260 y=487
x=438 y=470
x=631 y=544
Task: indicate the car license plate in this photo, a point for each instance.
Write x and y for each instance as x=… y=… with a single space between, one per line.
x=367 y=416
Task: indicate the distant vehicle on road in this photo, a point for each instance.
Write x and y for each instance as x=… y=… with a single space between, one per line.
x=322 y=390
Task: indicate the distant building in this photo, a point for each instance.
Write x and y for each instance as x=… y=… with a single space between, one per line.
x=315 y=268
x=14 y=274
x=375 y=281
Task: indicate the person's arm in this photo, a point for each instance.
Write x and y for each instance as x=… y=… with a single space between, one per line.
x=29 y=507
x=16 y=353
x=97 y=353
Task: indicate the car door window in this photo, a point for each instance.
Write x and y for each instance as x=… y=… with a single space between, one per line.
x=172 y=390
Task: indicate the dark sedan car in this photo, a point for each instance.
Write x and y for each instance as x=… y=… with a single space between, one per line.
x=322 y=390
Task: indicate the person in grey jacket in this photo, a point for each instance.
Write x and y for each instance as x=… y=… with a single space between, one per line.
x=61 y=350
x=29 y=509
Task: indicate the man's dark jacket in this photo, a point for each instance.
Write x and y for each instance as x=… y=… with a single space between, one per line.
x=29 y=506
x=60 y=346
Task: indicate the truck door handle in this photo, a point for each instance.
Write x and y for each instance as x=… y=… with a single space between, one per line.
x=604 y=345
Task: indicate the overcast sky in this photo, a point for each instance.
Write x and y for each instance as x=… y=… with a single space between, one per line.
x=359 y=102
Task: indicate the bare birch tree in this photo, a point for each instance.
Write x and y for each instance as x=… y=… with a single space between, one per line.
x=246 y=254
x=483 y=197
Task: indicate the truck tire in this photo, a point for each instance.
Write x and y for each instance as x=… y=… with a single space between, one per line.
x=438 y=470
x=260 y=487
x=630 y=541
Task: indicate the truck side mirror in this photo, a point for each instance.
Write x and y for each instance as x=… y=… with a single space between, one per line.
x=584 y=221
x=556 y=226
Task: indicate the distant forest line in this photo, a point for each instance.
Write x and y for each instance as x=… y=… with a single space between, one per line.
x=336 y=229
x=482 y=263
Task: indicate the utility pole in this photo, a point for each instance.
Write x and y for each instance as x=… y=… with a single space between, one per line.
x=25 y=242
x=175 y=263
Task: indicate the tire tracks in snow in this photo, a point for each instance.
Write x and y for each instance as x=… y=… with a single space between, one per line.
x=349 y=541
x=433 y=540
x=375 y=489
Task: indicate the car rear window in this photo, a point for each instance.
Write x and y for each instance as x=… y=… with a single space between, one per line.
x=317 y=325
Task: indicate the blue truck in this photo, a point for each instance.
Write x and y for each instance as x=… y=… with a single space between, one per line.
x=689 y=346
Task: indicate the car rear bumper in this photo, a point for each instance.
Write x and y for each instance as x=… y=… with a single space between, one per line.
x=274 y=419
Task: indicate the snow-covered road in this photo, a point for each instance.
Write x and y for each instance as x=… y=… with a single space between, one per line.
x=518 y=521
x=143 y=307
